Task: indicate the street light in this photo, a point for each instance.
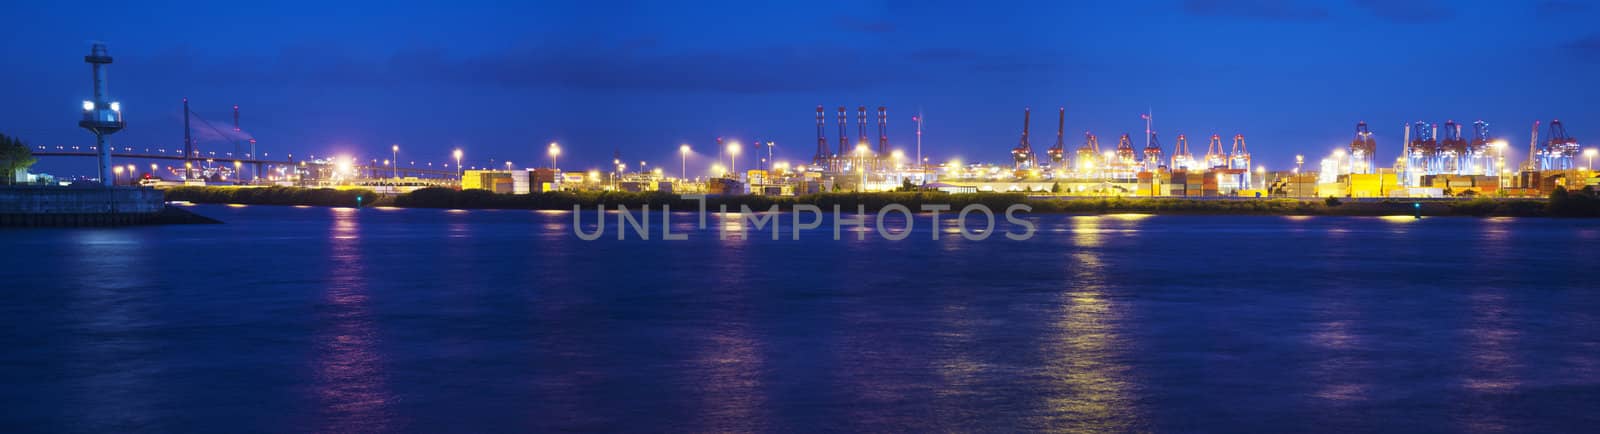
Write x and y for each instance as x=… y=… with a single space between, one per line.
x=116 y=174
x=683 y=153
x=394 y=169
x=861 y=166
x=237 y=166
x=459 y=172
x=1500 y=160
x=555 y=151
x=1338 y=155
x=1589 y=153
x=733 y=158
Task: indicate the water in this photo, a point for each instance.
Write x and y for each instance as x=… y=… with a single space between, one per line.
x=314 y=319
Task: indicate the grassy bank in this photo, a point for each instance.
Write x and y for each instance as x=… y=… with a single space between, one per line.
x=1567 y=205
x=273 y=196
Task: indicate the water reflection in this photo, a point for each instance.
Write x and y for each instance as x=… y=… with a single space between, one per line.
x=1339 y=373
x=1087 y=368
x=1086 y=231
x=1491 y=336
x=109 y=312
x=731 y=361
x=350 y=378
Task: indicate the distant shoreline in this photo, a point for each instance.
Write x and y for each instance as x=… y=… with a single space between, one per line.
x=1580 y=206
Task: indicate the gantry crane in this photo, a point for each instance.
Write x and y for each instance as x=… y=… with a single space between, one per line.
x=1057 y=152
x=1023 y=153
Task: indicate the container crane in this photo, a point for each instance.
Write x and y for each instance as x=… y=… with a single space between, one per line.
x=1088 y=153
x=1478 y=159
x=1216 y=156
x=1126 y=157
x=1531 y=164
x=1452 y=148
x=1152 y=154
x=1363 y=149
x=1023 y=153
x=1181 y=159
x=822 y=158
x=1057 y=152
x=1240 y=158
x=1562 y=150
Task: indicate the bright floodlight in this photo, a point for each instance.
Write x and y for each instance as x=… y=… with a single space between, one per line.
x=897 y=154
x=395 y=148
x=733 y=148
x=1590 y=152
x=88 y=105
x=555 y=150
x=116 y=106
x=683 y=149
x=1498 y=144
x=458 y=154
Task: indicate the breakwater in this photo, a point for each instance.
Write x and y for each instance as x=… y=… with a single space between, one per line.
x=88 y=206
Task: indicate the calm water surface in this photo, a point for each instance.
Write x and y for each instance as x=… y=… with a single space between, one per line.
x=315 y=319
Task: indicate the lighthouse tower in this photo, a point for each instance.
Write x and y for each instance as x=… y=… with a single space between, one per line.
x=101 y=116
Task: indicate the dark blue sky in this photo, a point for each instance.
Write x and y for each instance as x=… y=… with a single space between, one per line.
x=502 y=80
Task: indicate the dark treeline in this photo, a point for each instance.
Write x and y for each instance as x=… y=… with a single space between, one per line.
x=273 y=196
x=1561 y=203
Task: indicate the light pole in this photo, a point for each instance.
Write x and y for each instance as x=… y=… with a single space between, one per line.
x=1500 y=161
x=1589 y=153
x=733 y=159
x=918 y=120
x=683 y=163
x=459 y=173
x=237 y=166
x=1339 y=164
x=394 y=164
x=116 y=174
x=1261 y=172
x=555 y=151
x=1299 y=160
x=861 y=167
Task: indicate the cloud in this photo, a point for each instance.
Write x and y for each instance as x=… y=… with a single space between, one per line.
x=1272 y=10
x=626 y=66
x=1559 y=8
x=876 y=26
x=1408 y=11
x=1587 y=48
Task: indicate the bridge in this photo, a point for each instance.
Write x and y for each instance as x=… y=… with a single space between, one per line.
x=313 y=167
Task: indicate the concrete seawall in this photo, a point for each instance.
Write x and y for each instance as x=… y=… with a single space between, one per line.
x=73 y=206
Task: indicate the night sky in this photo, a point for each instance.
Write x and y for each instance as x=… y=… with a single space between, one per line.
x=503 y=80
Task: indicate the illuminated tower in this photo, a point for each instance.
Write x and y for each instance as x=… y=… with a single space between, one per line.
x=100 y=115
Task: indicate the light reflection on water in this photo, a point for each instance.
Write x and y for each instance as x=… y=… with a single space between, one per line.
x=110 y=316
x=1089 y=380
x=350 y=374
x=339 y=320
x=730 y=360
